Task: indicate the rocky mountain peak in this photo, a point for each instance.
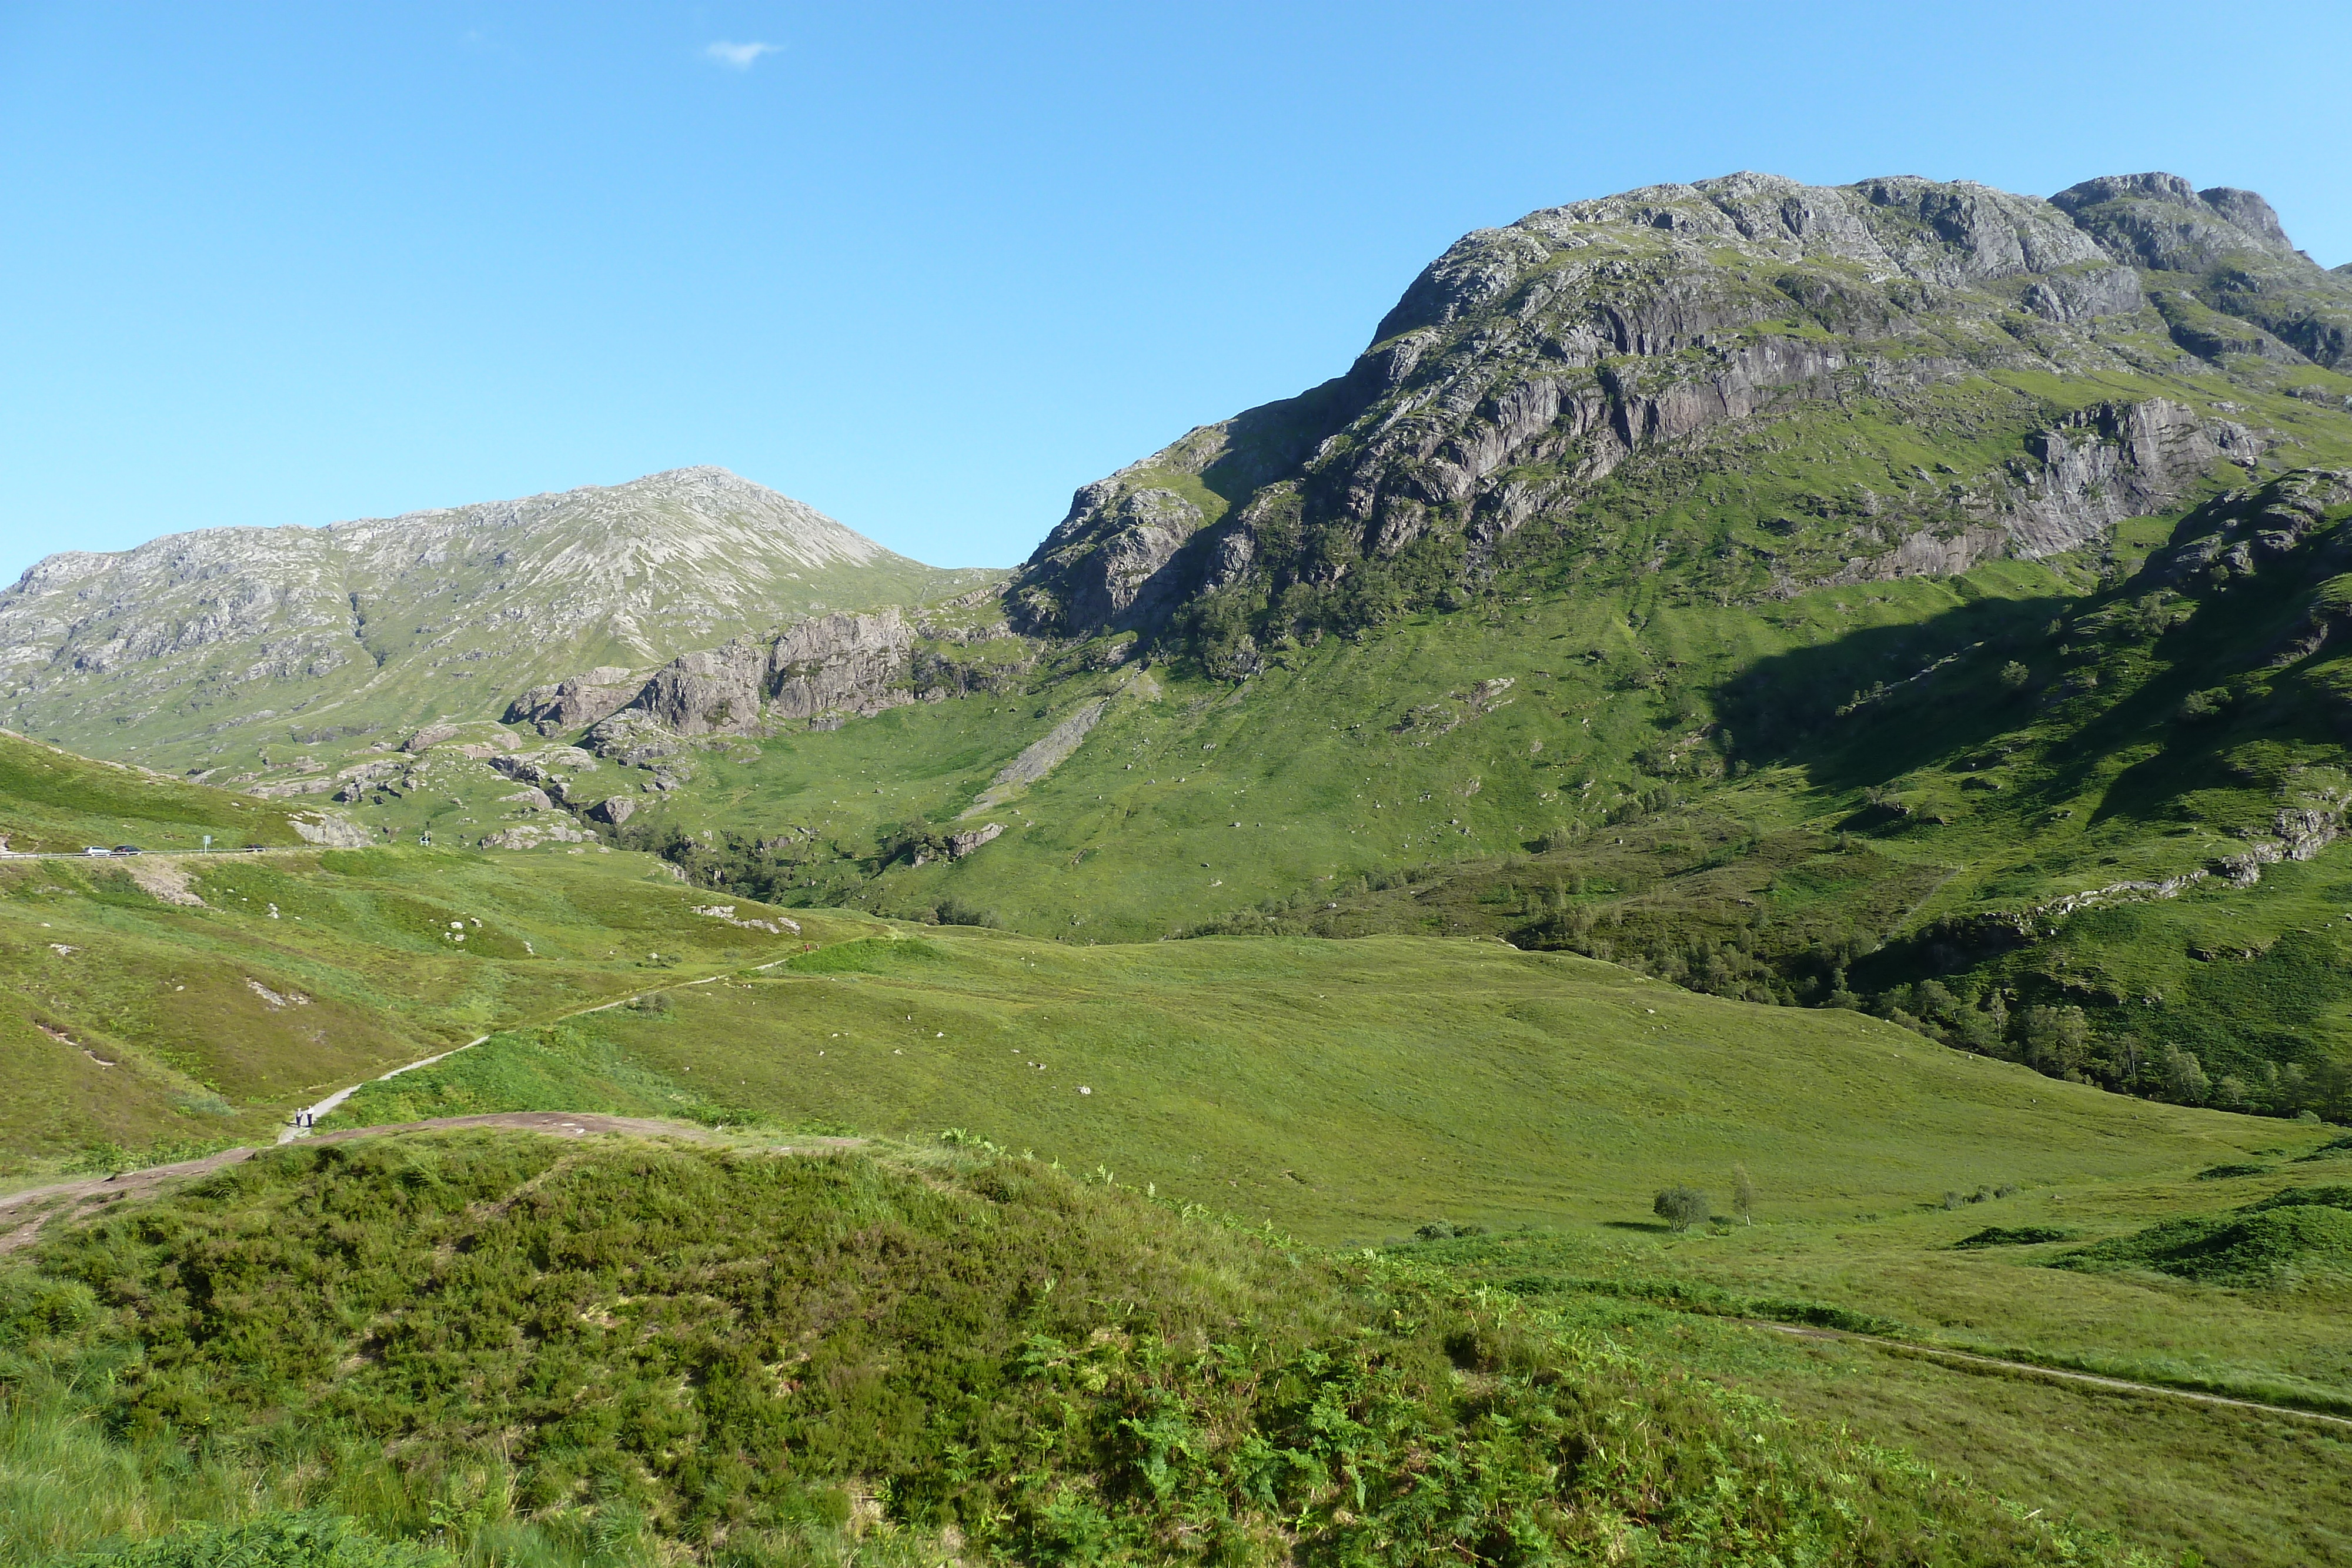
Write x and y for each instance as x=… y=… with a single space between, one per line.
x=626 y=528
x=1902 y=226
x=1528 y=365
x=2161 y=221
x=386 y=621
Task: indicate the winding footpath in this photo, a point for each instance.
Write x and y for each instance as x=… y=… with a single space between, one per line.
x=76 y=1199
x=299 y=1126
x=24 y=1215
x=2034 y=1369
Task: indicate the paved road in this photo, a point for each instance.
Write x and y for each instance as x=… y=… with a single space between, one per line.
x=22 y=1214
x=142 y=854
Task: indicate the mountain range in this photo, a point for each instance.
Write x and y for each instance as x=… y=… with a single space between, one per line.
x=1528 y=364
x=1766 y=757
x=1874 y=537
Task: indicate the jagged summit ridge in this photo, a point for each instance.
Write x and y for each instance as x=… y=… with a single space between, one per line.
x=1531 y=363
x=1898 y=226
x=683 y=513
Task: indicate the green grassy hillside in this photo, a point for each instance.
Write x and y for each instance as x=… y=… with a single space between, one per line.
x=170 y=1001
x=1343 y=1091
x=1718 y=797
x=54 y=801
x=1034 y=1369
x=2226 y=1484
x=1352 y=1091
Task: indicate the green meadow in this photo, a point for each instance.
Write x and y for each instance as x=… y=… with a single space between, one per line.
x=170 y=1003
x=53 y=801
x=1354 y=1090
x=510 y=1349
x=1384 y=1090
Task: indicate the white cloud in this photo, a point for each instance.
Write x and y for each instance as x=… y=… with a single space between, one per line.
x=739 y=56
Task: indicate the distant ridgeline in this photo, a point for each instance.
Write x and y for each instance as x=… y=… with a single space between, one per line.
x=229 y=643
x=1903 y=595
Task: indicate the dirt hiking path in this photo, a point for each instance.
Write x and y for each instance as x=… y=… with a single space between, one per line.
x=2033 y=1369
x=23 y=1214
x=300 y=1126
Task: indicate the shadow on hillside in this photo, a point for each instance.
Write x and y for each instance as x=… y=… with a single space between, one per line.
x=1785 y=707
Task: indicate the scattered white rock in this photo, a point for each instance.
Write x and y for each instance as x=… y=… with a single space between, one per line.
x=274 y=999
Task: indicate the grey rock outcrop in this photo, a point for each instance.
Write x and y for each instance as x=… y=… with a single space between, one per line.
x=551 y=770
x=576 y=703
x=1120 y=579
x=1528 y=364
x=2243 y=532
x=326 y=828
x=633 y=738
x=962 y=844
x=814 y=673
x=841 y=663
x=828 y=664
x=715 y=691
x=532 y=835
x=2163 y=223
x=2112 y=462
x=2073 y=481
x=2229 y=255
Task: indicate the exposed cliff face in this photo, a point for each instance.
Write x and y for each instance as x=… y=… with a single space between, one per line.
x=1528 y=364
x=2112 y=462
x=841 y=663
x=815 y=674
x=836 y=663
x=2241 y=532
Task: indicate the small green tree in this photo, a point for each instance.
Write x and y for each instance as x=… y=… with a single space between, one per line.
x=2183 y=1076
x=1933 y=1001
x=2013 y=676
x=1682 y=1208
x=2057 y=1040
x=2198 y=707
x=1743 y=1195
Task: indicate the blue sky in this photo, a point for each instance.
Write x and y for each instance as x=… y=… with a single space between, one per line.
x=926 y=266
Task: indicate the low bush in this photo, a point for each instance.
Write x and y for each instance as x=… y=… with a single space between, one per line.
x=2298 y=1236
x=617 y=1352
x=2011 y=1236
x=1682 y=1208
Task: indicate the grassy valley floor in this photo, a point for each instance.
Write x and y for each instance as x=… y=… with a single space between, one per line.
x=1353 y=1090
x=167 y=1004
x=1352 y=1093
x=1331 y=1095
x=1029 y=1367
